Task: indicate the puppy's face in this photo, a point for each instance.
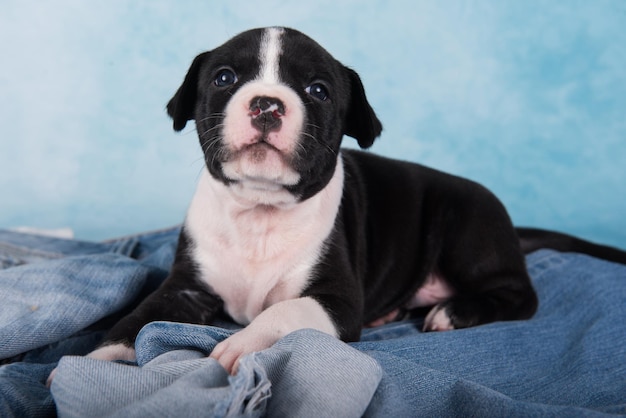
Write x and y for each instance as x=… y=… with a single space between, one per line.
x=271 y=107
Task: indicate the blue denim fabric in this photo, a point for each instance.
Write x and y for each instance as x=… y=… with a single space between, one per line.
x=18 y=248
x=569 y=360
x=307 y=373
x=57 y=287
x=80 y=290
x=52 y=290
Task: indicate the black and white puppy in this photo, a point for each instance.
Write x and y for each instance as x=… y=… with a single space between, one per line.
x=286 y=231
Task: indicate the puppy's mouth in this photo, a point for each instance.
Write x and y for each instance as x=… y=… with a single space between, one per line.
x=258 y=152
x=261 y=153
x=261 y=163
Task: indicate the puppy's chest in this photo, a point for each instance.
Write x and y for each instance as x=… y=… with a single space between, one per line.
x=255 y=259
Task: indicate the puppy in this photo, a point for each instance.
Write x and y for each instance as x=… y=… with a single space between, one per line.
x=287 y=231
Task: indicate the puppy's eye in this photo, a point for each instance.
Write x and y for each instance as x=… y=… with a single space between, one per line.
x=318 y=90
x=225 y=77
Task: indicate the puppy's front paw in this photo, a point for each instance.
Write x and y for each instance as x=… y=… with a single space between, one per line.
x=271 y=325
x=51 y=378
x=114 y=352
x=232 y=349
x=438 y=319
x=108 y=352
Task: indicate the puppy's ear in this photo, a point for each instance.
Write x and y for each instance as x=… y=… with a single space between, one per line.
x=361 y=121
x=182 y=106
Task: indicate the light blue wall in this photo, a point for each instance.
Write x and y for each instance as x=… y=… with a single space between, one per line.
x=528 y=98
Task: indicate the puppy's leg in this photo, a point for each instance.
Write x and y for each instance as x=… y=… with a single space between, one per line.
x=117 y=351
x=110 y=352
x=481 y=261
x=502 y=292
x=271 y=325
x=179 y=299
x=471 y=310
x=438 y=319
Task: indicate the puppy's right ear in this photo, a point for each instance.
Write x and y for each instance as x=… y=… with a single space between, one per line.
x=182 y=106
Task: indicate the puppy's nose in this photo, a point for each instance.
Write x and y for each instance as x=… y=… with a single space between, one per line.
x=266 y=113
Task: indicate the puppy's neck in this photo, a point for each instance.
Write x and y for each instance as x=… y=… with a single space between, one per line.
x=253 y=195
x=255 y=216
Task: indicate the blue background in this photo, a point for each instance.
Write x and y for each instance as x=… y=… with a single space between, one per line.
x=528 y=98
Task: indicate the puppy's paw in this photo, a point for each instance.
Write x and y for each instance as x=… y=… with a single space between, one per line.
x=232 y=349
x=108 y=352
x=51 y=378
x=438 y=319
x=114 y=352
x=271 y=325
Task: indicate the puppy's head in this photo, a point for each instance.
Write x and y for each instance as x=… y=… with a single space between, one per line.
x=271 y=107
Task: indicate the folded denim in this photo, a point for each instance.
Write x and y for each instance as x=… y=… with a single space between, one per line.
x=566 y=361
x=52 y=288
x=307 y=373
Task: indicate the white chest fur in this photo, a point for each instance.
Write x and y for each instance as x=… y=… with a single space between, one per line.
x=252 y=255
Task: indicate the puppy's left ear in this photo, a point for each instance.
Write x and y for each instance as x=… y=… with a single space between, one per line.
x=361 y=121
x=182 y=106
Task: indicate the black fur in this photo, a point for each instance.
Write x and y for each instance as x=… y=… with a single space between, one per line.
x=532 y=239
x=181 y=298
x=398 y=221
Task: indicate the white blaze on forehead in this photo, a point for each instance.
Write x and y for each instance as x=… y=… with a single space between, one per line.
x=271 y=48
x=262 y=180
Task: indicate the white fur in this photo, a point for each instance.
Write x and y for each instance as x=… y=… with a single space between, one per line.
x=256 y=255
x=434 y=290
x=272 y=324
x=438 y=320
x=108 y=353
x=269 y=54
x=113 y=352
x=255 y=166
x=239 y=135
x=256 y=245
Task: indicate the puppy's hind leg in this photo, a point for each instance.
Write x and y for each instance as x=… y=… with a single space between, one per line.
x=467 y=310
x=480 y=258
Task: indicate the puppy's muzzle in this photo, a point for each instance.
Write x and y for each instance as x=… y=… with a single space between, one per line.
x=266 y=113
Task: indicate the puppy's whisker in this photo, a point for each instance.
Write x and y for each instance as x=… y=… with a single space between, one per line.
x=208 y=145
x=218 y=126
x=317 y=140
x=300 y=149
x=326 y=146
x=213 y=116
x=209 y=135
x=314 y=126
x=189 y=132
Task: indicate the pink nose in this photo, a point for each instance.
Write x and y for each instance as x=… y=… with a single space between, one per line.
x=266 y=113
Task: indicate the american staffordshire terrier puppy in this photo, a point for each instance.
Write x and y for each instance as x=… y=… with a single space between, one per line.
x=288 y=231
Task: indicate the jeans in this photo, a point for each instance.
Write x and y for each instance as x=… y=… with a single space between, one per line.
x=58 y=297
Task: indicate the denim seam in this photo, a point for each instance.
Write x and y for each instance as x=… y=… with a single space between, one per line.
x=18 y=251
x=125 y=246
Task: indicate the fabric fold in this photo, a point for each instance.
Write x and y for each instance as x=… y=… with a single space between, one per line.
x=568 y=360
x=307 y=373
